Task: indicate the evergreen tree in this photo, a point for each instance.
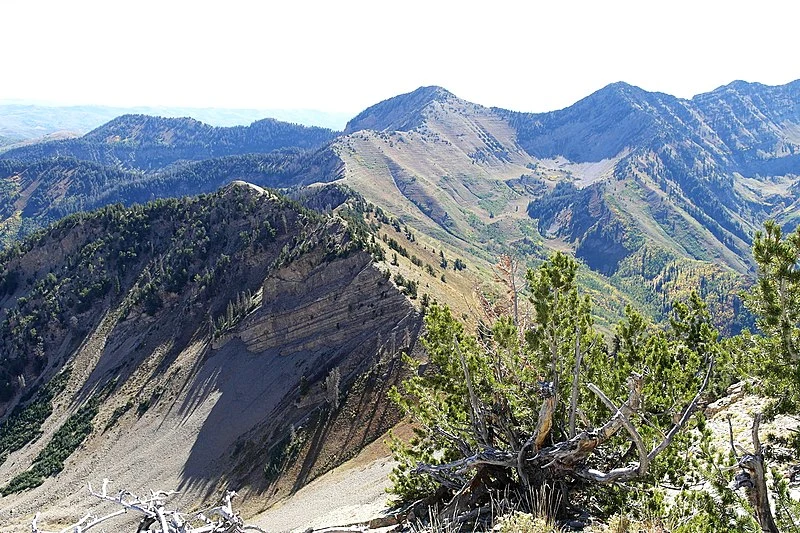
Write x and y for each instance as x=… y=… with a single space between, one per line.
x=505 y=414
x=775 y=300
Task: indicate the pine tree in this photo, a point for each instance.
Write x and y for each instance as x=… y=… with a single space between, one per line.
x=775 y=300
x=509 y=416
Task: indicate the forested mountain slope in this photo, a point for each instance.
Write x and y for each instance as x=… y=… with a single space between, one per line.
x=43 y=191
x=141 y=142
x=194 y=343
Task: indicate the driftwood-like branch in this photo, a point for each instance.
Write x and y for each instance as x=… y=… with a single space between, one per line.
x=632 y=404
x=543 y=425
x=535 y=464
x=214 y=520
x=460 y=443
x=545 y=421
x=636 y=470
x=489 y=456
x=644 y=462
x=730 y=434
x=753 y=479
x=687 y=414
x=576 y=374
x=754 y=433
x=570 y=454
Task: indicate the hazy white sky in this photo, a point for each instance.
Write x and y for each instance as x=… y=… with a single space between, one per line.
x=534 y=55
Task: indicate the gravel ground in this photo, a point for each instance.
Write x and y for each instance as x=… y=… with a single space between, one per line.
x=353 y=493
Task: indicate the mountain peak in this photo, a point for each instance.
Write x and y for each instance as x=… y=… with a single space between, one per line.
x=435 y=91
x=400 y=113
x=738 y=86
x=620 y=88
x=614 y=96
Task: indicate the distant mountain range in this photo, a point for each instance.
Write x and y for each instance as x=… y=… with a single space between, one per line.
x=656 y=193
x=137 y=158
x=633 y=181
x=142 y=142
x=710 y=169
x=708 y=157
x=20 y=121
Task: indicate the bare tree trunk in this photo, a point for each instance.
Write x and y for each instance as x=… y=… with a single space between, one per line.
x=573 y=400
x=480 y=472
x=753 y=480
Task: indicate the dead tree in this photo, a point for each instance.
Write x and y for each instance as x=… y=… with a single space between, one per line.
x=752 y=478
x=537 y=466
x=506 y=274
x=157 y=519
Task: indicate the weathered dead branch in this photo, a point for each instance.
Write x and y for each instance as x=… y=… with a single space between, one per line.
x=535 y=464
x=752 y=479
x=217 y=519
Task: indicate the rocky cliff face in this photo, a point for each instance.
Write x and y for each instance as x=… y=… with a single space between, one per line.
x=268 y=365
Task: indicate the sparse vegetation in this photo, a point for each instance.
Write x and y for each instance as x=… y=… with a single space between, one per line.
x=50 y=461
x=118 y=413
x=235 y=311
x=284 y=453
x=24 y=424
x=409 y=287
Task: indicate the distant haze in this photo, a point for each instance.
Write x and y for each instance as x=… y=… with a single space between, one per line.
x=344 y=56
x=20 y=122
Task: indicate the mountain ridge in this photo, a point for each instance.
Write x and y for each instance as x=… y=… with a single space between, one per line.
x=26 y=121
x=141 y=142
x=43 y=191
x=184 y=314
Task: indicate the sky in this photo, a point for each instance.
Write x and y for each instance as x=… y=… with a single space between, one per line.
x=343 y=56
